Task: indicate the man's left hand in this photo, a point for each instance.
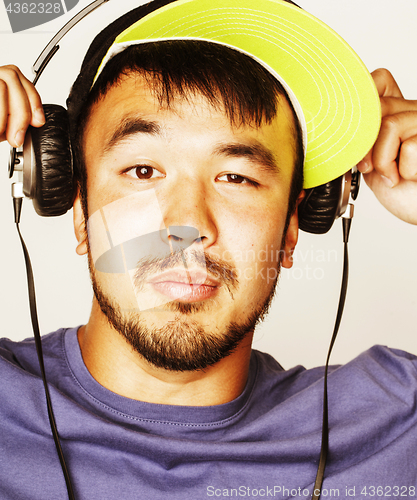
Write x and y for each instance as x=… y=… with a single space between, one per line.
x=390 y=168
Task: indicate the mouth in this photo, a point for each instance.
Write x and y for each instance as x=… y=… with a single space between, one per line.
x=189 y=286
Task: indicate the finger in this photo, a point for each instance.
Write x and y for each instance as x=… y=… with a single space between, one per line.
x=408 y=159
x=365 y=166
x=38 y=116
x=393 y=105
x=400 y=201
x=385 y=83
x=20 y=113
x=4 y=110
x=395 y=129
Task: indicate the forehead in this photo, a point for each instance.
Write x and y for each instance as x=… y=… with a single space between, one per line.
x=137 y=90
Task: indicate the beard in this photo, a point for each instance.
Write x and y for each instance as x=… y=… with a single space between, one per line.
x=182 y=344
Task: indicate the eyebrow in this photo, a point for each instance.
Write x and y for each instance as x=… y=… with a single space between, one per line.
x=129 y=126
x=256 y=153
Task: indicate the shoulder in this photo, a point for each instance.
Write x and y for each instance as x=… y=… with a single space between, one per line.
x=383 y=364
x=380 y=371
x=21 y=386
x=385 y=361
x=22 y=355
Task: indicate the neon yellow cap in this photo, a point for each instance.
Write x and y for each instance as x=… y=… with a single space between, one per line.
x=331 y=90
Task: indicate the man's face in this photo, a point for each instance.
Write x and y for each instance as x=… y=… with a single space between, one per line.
x=220 y=188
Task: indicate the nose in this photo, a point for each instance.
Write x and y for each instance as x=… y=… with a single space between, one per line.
x=188 y=216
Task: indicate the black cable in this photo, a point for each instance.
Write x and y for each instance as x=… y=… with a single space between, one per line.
x=325 y=425
x=17 y=204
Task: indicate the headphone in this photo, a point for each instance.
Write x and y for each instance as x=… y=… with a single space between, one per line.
x=46 y=160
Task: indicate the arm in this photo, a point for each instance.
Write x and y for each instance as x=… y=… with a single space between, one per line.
x=390 y=168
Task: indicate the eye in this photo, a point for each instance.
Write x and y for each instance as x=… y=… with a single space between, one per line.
x=236 y=179
x=143 y=172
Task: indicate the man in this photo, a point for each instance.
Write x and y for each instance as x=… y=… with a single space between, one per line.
x=160 y=394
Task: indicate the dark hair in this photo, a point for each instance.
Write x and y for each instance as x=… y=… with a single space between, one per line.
x=229 y=79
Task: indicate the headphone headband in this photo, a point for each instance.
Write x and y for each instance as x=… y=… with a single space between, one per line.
x=154 y=16
x=331 y=91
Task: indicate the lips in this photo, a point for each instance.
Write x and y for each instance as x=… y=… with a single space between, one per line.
x=192 y=285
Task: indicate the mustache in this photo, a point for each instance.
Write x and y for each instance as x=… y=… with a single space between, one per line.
x=217 y=268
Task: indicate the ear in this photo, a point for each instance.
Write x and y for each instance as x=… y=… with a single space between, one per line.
x=291 y=236
x=80 y=226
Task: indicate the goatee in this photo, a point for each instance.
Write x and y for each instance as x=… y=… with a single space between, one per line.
x=182 y=344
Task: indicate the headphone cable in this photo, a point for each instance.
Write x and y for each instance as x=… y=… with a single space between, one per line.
x=346 y=223
x=17 y=206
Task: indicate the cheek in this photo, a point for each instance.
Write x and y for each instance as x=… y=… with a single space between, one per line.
x=253 y=225
x=119 y=289
x=99 y=195
x=124 y=219
x=253 y=245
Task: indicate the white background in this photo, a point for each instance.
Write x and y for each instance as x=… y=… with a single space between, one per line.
x=382 y=299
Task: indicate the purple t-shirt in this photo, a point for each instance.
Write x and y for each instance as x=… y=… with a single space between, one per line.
x=265 y=443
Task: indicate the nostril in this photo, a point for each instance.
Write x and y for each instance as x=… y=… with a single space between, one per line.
x=174 y=237
x=189 y=233
x=183 y=237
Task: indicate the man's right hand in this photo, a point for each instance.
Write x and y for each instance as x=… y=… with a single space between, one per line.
x=20 y=106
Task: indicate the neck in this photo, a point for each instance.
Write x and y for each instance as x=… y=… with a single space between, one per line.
x=118 y=367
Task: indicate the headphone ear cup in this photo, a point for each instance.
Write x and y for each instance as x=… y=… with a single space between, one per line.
x=54 y=190
x=319 y=208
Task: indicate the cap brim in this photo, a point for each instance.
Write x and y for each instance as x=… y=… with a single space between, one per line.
x=334 y=93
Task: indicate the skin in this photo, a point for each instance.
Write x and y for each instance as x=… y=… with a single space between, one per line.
x=192 y=187
x=390 y=168
x=106 y=354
